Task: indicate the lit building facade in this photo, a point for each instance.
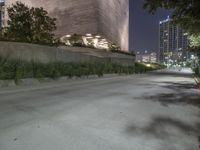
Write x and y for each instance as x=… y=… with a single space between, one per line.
x=105 y=19
x=173 y=42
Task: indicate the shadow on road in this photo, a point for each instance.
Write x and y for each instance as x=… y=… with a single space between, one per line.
x=179 y=86
x=164 y=127
x=182 y=93
x=169 y=128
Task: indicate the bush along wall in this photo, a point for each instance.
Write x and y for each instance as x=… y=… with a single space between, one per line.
x=197 y=71
x=16 y=69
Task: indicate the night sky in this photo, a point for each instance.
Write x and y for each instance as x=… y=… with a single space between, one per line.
x=144 y=27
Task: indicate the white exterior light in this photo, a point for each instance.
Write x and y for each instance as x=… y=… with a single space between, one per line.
x=89 y=37
x=68 y=36
x=88 y=34
x=98 y=36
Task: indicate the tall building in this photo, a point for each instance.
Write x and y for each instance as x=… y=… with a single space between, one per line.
x=173 y=42
x=105 y=19
x=2 y=13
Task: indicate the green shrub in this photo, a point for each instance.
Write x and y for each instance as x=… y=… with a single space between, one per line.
x=140 y=68
x=197 y=71
x=16 y=69
x=7 y=70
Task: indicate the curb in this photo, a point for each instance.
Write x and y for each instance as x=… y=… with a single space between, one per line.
x=33 y=81
x=57 y=83
x=7 y=83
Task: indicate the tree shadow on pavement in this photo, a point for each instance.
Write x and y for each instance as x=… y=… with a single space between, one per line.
x=170 y=128
x=179 y=86
x=173 y=98
x=170 y=131
x=162 y=127
x=181 y=93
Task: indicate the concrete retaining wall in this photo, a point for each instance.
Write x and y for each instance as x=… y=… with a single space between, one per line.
x=46 y=54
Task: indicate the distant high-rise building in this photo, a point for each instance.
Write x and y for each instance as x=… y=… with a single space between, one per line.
x=173 y=42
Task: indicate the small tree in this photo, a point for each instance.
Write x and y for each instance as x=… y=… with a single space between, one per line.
x=195 y=42
x=195 y=46
x=19 y=23
x=30 y=24
x=43 y=26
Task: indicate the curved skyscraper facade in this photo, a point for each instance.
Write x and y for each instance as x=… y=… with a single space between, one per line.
x=107 y=18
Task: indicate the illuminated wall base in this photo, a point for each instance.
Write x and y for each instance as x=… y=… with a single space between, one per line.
x=89 y=40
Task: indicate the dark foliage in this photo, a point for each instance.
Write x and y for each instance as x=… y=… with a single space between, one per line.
x=185 y=12
x=31 y=25
x=16 y=69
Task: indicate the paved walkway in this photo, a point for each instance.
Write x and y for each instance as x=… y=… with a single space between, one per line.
x=154 y=111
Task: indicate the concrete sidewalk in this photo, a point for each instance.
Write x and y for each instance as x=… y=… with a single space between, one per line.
x=155 y=111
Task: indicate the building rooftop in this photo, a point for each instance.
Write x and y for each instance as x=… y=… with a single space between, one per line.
x=166 y=20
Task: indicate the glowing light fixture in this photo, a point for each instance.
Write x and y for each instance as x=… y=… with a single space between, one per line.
x=88 y=34
x=89 y=37
x=98 y=36
x=148 y=65
x=68 y=36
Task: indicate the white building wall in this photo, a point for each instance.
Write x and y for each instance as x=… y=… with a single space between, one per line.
x=114 y=21
x=109 y=18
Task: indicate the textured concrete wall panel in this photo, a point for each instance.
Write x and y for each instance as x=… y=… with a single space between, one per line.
x=45 y=54
x=114 y=21
x=73 y=16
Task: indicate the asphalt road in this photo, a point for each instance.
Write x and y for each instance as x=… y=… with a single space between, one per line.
x=154 y=111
